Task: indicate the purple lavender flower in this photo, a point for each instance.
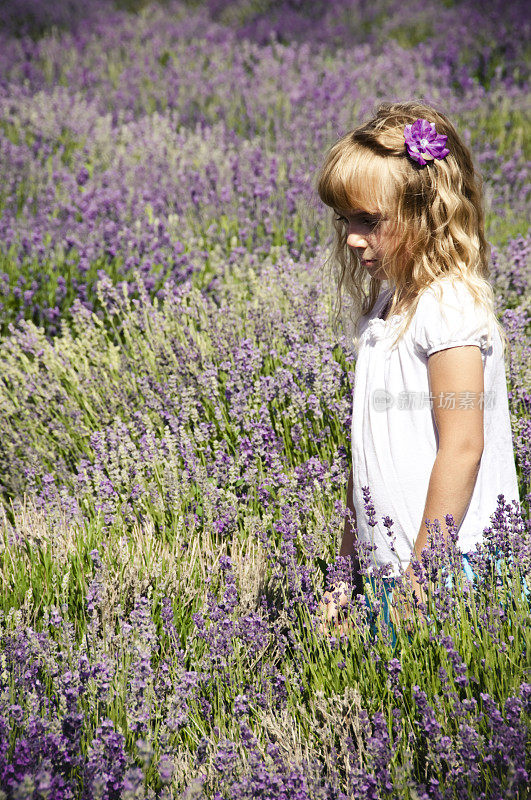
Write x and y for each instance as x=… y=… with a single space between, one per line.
x=423 y=143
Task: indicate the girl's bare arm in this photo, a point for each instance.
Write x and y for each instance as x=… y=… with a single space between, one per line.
x=460 y=446
x=460 y=433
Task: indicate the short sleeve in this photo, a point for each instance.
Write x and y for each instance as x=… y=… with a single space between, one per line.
x=451 y=320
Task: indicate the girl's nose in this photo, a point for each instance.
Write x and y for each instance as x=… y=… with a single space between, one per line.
x=355 y=240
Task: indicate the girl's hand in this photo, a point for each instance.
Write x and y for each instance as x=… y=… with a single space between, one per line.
x=404 y=615
x=329 y=610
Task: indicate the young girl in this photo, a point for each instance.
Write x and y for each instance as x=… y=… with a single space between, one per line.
x=431 y=431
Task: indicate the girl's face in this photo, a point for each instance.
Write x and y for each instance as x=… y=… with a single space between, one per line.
x=368 y=235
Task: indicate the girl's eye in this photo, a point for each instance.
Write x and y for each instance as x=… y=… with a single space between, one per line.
x=371 y=222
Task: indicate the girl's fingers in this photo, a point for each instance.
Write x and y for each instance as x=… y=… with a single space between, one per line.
x=330 y=611
x=334 y=628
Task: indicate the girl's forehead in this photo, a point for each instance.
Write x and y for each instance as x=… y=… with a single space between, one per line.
x=353 y=211
x=358 y=193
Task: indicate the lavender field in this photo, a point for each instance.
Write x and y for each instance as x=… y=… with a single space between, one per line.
x=175 y=409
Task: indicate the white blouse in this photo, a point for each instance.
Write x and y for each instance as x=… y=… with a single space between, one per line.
x=394 y=436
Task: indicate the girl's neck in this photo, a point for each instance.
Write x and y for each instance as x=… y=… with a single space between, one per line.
x=383 y=313
x=386 y=309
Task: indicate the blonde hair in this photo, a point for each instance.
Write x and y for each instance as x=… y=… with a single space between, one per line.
x=435 y=214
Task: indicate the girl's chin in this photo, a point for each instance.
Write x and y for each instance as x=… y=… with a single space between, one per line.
x=375 y=270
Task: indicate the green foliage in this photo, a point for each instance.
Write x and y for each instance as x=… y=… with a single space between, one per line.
x=413 y=33
x=112 y=435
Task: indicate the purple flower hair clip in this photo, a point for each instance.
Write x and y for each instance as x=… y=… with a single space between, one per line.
x=423 y=143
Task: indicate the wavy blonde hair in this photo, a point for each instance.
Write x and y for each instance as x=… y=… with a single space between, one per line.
x=435 y=215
